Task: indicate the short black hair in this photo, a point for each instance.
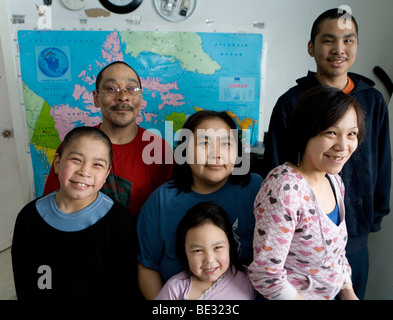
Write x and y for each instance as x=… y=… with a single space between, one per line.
x=182 y=174
x=99 y=76
x=198 y=215
x=316 y=110
x=335 y=13
x=80 y=132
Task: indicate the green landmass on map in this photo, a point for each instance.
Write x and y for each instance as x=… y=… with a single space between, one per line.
x=33 y=107
x=178 y=119
x=45 y=133
x=186 y=47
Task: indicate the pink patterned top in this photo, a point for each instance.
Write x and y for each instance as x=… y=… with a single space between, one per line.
x=297 y=248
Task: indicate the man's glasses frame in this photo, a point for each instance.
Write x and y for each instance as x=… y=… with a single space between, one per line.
x=111 y=91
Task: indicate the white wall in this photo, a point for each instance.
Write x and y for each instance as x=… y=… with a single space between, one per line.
x=286 y=33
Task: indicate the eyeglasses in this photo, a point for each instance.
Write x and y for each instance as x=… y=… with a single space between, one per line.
x=112 y=91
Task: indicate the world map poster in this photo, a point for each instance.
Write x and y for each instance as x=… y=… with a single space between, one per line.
x=181 y=73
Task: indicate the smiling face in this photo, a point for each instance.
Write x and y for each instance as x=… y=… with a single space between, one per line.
x=334 y=50
x=214 y=156
x=82 y=170
x=331 y=149
x=207 y=250
x=122 y=109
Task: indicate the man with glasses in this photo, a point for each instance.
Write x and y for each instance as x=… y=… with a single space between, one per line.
x=132 y=179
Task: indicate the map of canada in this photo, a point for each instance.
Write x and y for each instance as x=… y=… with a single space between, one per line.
x=181 y=73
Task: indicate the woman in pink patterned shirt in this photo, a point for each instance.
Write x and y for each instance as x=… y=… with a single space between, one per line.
x=300 y=232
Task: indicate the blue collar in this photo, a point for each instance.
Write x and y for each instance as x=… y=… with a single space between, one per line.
x=69 y=222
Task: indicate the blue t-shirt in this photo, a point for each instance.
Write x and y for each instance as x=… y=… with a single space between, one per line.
x=162 y=212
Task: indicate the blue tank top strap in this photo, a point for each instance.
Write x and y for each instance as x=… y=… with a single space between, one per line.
x=335 y=215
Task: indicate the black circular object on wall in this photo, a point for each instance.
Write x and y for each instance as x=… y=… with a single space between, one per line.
x=121 y=6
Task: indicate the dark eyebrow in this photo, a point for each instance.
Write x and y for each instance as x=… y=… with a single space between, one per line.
x=81 y=155
x=197 y=245
x=332 y=35
x=350 y=35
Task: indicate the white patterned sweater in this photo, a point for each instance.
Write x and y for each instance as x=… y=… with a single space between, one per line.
x=297 y=248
